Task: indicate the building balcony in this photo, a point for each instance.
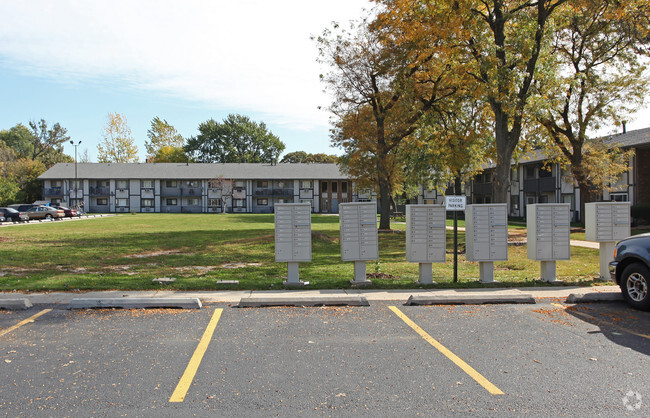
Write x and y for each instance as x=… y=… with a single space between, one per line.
x=482 y=189
x=99 y=191
x=273 y=192
x=541 y=185
x=54 y=191
x=192 y=191
x=170 y=192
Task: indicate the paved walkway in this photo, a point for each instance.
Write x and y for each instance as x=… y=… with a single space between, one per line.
x=233 y=296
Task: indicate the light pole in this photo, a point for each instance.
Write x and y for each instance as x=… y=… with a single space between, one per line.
x=75 y=169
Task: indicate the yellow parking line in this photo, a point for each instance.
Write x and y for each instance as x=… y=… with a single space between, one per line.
x=195 y=361
x=451 y=356
x=586 y=315
x=26 y=321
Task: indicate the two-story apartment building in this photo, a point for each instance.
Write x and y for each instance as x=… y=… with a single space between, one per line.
x=196 y=187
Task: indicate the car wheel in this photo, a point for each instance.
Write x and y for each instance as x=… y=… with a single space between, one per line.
x=48 y=217
x=635 y=286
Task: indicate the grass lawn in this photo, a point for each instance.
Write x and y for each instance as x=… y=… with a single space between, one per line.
x=127 y=252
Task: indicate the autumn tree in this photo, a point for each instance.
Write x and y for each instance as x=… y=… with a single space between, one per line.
x=237 y=139
x=452 y=145
x=162 y=134
x=118 y=145
x=597 y=49
x=47 y=143
x=379 y=99
x=169 y=154
x=497 y=42
x=25 y=153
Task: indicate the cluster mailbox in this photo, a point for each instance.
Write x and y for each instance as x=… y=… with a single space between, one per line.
x=425 y=237
x=293 y=237
x=486 y=236
x=359 y=238
x=548 y=236
x=606 y=223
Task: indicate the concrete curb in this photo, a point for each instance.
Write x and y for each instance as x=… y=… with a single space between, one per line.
x=258 y=302
x=135 y=303
x=594 y=297
x=468 y=299
x=15 y=304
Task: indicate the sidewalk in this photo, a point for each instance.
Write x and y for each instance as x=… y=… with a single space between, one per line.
x=234 y=296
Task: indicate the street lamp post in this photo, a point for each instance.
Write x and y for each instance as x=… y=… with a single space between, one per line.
x=75 y=170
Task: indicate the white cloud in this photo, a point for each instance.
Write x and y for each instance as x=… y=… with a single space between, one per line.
x=253 y=54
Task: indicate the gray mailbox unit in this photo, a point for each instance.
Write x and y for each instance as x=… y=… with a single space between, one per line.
x=606 y=223
x=548 y=236
x=426 y=238
x=293 y=237
x=359 y=239
x=486 y=236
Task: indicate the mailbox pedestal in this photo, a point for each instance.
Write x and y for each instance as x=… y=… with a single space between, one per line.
x=359 y=238
x=548 y=236
x=606 y=223
x=293 y=238
x=486 y=237
x=426 y=238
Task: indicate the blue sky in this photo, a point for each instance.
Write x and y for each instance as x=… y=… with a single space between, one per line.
x=74 y=61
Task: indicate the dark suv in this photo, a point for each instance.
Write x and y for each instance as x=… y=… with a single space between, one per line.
x=631 y=270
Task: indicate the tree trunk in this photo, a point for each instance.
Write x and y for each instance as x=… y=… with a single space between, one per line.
x=506 y=142
x=384 y=203
x=588 y=193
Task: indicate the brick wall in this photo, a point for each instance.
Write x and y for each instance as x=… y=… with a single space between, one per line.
x=643 y=174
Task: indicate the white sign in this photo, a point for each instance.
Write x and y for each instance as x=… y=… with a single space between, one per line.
x=455 y=202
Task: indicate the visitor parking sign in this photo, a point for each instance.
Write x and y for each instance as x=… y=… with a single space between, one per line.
x=455 y=202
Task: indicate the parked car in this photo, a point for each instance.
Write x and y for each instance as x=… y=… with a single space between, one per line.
x=631 y=270
x=45 y=212
x=13 y=215
x=2 y=218
x=68 y=212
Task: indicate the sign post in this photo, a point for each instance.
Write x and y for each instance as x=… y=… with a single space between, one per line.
x=455 y=204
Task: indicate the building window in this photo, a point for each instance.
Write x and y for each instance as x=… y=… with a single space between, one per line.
x=147 y=203
x=282 y=184
x=429 y=201
x=262 y=202
x=285 y=200
x=305 y=184
x=344 y=187
x=531 y=172
x=335 y=187
x=240 y=184
x=324 y=187
x=55 y=183
x=618 y=197
x=76 y=184
x=194 y=183
x=514 y=203
x=171 y=202
x=513 y=174
x=171 y=183
x=147 y=184
x=192 y=202
x=122 y=184
x=214 y=203
x=239 y=203
x=214 y=184
x=262 y=183
x=487 y=177
x=102 y=202
x=122 y=202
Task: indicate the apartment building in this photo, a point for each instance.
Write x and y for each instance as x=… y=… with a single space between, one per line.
x=196 y=187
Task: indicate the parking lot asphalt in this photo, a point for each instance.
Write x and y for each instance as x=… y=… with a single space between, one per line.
x=386 y=359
